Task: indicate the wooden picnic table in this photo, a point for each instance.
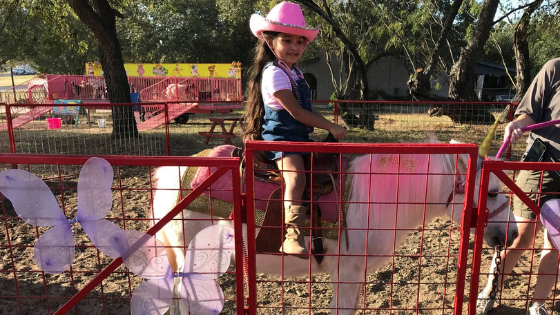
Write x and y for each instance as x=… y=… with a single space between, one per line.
x=226 y=134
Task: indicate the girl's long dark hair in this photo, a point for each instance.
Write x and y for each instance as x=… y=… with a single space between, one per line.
x=254 y=108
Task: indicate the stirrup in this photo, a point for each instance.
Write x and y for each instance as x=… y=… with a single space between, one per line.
x=304 y=255
x=484 y=303
x=537 y=308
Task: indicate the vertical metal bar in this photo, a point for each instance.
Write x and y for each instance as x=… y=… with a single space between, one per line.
x=10 y=129
x=465 y=232
x=336 y=112
x=251 y=252
x=478 y=237
x=167 y=144
x=238 y=228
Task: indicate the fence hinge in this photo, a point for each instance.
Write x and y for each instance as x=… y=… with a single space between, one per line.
x=243 y=208
x=474 y=217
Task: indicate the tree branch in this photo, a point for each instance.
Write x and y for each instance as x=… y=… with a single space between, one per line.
x=8 y=16
x=343 y=38
x=88 y=16
x=513 y=10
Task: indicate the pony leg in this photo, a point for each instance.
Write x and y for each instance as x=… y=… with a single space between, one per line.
x=345 y=285
x=345 y=272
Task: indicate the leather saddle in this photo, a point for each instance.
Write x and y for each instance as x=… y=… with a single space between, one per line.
x=322 y=176
x=321 y=170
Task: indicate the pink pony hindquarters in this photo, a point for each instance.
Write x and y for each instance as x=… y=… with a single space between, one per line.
x=221 y=188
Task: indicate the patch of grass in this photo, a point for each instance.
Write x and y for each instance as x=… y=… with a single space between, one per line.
x=7 y=79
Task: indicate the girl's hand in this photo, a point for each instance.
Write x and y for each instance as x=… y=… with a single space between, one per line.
x=338 y=132
x=513 y=131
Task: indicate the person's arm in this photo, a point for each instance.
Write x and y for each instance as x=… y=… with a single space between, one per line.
x=287 y=99
x=513 y=129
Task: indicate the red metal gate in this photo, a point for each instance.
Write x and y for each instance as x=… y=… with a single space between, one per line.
x=437 y=253
x=101 y=284
x=515 y=293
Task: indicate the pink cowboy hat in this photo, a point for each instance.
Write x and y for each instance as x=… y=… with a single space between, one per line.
x=285 y=17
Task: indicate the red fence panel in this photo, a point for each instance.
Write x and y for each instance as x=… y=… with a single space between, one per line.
x=524 y=279
x=390 y=256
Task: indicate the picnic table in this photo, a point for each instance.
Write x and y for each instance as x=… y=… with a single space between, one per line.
x=226 y=134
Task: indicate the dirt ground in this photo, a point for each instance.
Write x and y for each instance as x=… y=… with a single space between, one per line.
x=410 y=284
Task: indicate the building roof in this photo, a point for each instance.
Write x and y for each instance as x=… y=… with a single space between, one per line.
x=488 y=68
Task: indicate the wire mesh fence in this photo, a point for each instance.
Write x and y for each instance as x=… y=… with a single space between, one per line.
x=90 y=130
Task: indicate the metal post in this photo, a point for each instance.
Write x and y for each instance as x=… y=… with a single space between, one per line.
x=13 y=84
x=336 y=112
x=10 y=129
x=478 y=237
x=167 y=145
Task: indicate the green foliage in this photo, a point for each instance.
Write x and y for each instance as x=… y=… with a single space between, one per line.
x=333 y=97
x=544 y=38
x=46 y=34
x=500 y=45
x=49 y=35
x=183 y=31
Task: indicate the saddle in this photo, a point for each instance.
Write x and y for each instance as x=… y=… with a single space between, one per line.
x=321 y=177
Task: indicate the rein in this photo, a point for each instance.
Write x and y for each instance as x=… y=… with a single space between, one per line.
x=459 y=189
x=499 y=210
x=490 y=215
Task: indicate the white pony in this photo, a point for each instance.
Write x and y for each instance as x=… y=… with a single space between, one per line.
x=427 y=186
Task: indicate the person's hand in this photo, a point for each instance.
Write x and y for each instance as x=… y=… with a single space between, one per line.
x=513 y=131
x=338 y=132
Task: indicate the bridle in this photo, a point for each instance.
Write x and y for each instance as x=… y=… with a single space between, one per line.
x=458 y=191
x=497 y=211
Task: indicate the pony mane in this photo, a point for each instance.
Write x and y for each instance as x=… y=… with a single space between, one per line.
x=408 y=180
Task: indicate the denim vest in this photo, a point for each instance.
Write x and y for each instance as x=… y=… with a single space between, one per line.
x=279 y=125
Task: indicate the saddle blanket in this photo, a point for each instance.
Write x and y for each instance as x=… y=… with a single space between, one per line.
x=330 y=204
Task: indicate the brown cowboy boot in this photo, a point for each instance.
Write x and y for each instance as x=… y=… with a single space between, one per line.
x=294 y=243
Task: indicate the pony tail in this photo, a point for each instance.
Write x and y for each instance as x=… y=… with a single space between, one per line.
x=254 y=109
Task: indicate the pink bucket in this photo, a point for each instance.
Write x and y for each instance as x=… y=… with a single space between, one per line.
x=54 y=123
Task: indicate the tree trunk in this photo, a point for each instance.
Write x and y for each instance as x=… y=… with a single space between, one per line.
x=366 y=117
x=420 y=86
x=102 y=23
x=462 y=78
x=521 y=48
x=522 y=60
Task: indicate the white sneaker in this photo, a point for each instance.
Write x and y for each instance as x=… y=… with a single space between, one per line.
x=484 y=303
x=537 y=308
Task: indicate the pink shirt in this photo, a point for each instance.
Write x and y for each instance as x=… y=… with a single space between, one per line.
x=275 y=79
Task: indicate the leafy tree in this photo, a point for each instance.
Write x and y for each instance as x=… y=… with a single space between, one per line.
x=521 y=47
x=46 y=34
x=420 y=85
x=544 y=36
x=100 y=18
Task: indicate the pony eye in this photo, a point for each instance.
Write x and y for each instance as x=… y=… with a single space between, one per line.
x=493 y=195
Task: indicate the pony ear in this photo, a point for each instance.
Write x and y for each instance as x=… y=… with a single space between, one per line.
x=463 y=158
x=462 y=163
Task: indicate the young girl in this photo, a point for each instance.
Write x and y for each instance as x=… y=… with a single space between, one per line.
x=279 y=106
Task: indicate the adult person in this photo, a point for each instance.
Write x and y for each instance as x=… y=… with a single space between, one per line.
x=541 y=103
